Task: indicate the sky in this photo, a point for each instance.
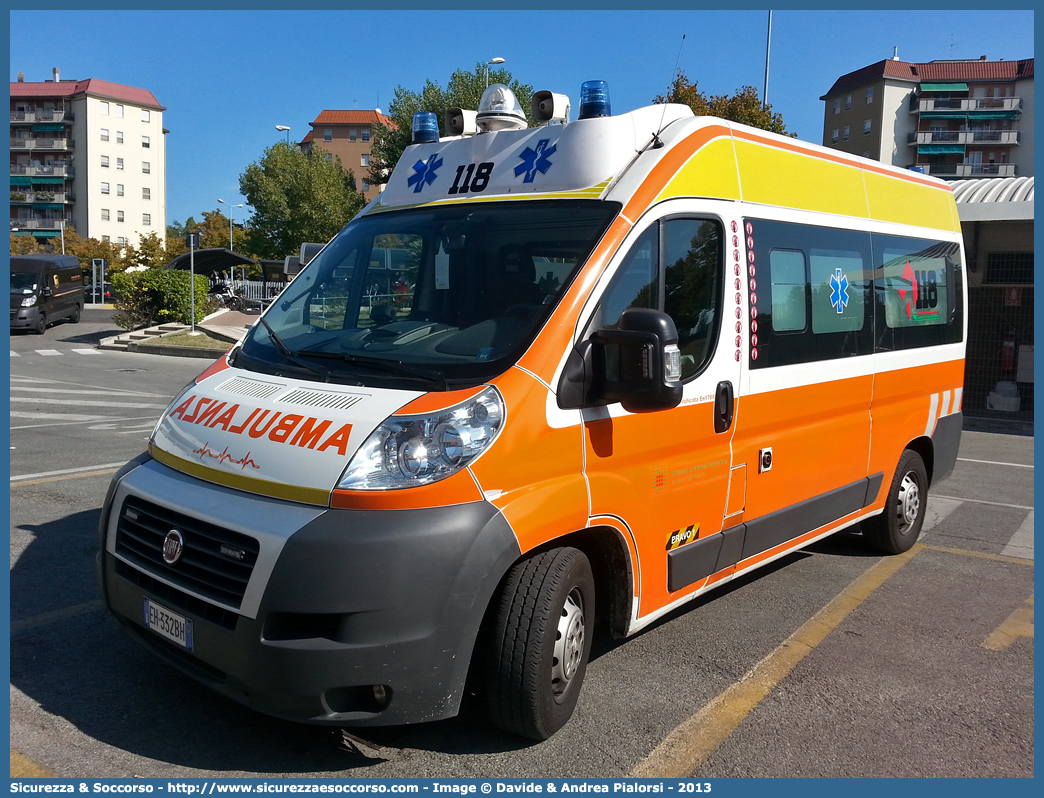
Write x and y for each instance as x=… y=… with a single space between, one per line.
x=228 y=77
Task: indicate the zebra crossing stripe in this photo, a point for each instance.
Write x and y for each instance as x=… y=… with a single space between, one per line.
x=87 y=351
x=48 y=352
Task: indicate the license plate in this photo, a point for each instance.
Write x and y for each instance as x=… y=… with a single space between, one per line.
x=168 y=624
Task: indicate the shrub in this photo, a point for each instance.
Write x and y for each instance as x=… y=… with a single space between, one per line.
x=157 y=296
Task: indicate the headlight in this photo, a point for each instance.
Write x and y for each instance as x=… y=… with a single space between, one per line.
x=406 y=451
x=29 y=301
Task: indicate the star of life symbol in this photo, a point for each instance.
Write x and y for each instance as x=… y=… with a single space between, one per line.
x=839 y=291
x=535 y=160
x=425 y=173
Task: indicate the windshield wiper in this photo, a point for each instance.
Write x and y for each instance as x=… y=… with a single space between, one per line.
x=386 y=364
x=285 y=351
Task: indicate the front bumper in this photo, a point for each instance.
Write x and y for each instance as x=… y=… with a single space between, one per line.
x=24 y=318
x=337 y=602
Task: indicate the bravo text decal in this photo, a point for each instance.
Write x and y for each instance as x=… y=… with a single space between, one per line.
x=297 y=430
x=680 y=537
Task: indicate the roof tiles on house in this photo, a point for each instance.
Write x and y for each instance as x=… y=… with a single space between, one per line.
x=334 y=117
x=92 y=86
x=934 y=71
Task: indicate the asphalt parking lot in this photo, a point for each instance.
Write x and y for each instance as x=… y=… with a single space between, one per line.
x=832 y=662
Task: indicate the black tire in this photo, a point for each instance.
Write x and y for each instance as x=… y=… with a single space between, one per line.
x=41 y=324
x=540 y=643
x=75 y=317
x=898 y=527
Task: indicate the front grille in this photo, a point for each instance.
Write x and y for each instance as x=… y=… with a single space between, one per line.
x=178 y=599
x=215 y=562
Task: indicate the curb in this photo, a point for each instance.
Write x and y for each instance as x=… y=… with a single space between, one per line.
x=175 y=351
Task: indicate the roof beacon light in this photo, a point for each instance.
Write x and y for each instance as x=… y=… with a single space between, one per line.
x=594 y=99
x=425 y=128
x=499 y=110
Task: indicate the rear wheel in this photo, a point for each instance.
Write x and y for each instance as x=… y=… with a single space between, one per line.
x=75 y=317
x=541 y=643
x=897 y=528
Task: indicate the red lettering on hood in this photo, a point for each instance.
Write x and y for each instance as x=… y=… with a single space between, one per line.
x=203 y=401
x=339 y=439
x=239 y=430
x=307 y=435
x=210 y=413
x=282 y=430
x=225 y=418
x=179 y=411
x=254 y=432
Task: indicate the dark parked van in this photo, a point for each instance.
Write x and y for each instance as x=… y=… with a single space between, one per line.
x=45 y=288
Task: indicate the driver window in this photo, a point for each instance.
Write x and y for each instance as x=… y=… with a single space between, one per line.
x=635 y=285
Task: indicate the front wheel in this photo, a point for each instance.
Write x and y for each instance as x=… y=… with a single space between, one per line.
x=40 y=325
x=541 y=643
x=897 y=528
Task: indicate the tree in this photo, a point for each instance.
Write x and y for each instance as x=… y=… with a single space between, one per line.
x=150 y=252
x=743 y=107
x=464 y=90
x=24 y=245
x=296 y=198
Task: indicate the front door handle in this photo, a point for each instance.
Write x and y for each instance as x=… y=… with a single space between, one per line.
x=723 y=402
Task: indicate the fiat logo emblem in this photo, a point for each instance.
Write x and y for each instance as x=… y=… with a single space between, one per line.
x=173 y=545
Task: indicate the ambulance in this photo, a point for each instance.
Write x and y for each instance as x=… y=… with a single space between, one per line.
x=554 y=381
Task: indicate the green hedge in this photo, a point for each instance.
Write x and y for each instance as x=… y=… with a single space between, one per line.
x=157 y=296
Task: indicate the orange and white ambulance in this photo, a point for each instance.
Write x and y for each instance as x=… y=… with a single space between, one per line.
x=552 y=378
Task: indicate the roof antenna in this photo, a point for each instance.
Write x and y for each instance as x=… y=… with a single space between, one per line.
x=674 y=76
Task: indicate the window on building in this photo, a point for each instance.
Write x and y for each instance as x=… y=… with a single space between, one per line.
x=105 y=161
x=119 y=137
x=146 y=193
x=848 y=101
x=104 y=134
x=105 y=214
x=146 y=219
x=869 y=95
x=844 y=133
x=145 y=115
x=145 y=142
x=105 y=239
x=364 y=185
x=365 y=160
x=105 y=188
x=866 y=127
x=119 y=216
x=834 y=134
x=837 y=105
x=145 y=168
x=329 y=156
x=119 y=164
x=119 y=110
x=119 y=189
x=364 y=134
x=327 y=134
x=353 y=134
x=121 y=241
x=103 y=109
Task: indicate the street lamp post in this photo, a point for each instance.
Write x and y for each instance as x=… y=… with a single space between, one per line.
x=487 y=65
x=230 y=207
x=286 y=129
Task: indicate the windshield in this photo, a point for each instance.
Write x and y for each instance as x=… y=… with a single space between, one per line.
x=22 y=284
x=432 y=298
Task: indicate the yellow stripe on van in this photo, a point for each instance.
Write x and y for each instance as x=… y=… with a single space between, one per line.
x=905 y=202
x=262 y=487
x=710 y=172
x=591 y=192
x=774 y=176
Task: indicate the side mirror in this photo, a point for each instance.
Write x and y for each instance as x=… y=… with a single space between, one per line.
x=637 y=365
x=46 y=293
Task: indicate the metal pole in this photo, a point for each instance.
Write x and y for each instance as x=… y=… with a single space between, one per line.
x=192 y=282
x=230 y=247
x=62 y=223
x=768 y=47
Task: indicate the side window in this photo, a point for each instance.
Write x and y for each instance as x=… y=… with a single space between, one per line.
x=692 y=286
x=674 y=266
x=919 y=288
x=809 y=293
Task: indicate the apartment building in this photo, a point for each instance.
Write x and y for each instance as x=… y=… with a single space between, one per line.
x=951 y=119
x=90 y=154
x=347 y=135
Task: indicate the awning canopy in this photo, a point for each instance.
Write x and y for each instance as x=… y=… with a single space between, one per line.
x=49 y=128
x=940 y=149
x=47 y=206
x=210 y=261
x=992 y=114
x=45 y=181
x=944 y=114
x=19 y=181
x=944 y=87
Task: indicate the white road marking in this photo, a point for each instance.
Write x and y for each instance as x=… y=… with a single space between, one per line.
x=1021 y=543
x=992 y=462
x=87 y=351
x=937 y=510
x=83 y=392
x=983 y=501
x=14 y=354
x=68 y=471
x=48 y=352
x=86 y=403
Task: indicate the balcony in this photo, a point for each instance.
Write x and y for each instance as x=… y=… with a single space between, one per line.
x=25 y=117
x=964 y=137
x=969 y=169
x=41 y=144
x=52 y=197
x=54 y=170
x=40 y=224
x=923 y=104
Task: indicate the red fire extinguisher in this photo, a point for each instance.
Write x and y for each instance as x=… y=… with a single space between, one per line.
x=1008 y=353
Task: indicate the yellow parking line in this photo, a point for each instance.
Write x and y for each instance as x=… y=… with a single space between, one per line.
x=25 y=768
x=980 y=554
x=1018 y=624
x=68 y=476
x=690 y=744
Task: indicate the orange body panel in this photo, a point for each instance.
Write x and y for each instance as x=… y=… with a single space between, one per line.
x=456 y=489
